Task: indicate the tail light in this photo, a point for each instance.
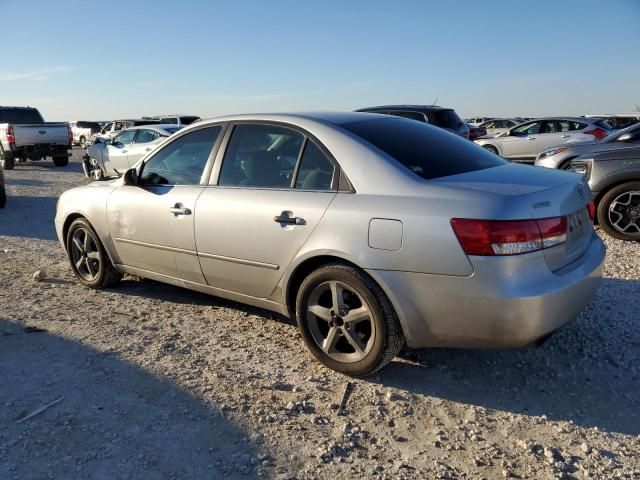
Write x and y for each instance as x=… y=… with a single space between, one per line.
x=597 y=132
x=11 y=138
x=592 y=210
x=70 y=133
x=509 y=237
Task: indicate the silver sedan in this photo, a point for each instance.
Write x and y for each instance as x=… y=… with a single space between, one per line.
x=369 y=230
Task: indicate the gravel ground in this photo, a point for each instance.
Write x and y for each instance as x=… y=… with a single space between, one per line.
x=152 y=381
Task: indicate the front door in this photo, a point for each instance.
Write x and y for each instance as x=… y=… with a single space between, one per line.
x=143 y=143
x=152 y=223
x=115 y=154
x=522 y=141
x=273 y=188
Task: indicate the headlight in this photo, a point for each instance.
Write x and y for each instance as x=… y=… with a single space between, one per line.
x=553 y=151
x=580 y=167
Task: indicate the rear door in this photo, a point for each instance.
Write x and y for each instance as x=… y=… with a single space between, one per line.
x=273 y=187
x=151 y=223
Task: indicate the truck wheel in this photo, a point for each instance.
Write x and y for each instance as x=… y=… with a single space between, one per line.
x=83 y=143
x=7 y=161
x=619 y=211
x=3 y=197
x=60 y=161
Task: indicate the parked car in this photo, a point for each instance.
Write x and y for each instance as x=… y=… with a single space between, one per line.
x=476 y=121
x=499 y=125
x=476 y=132
x=3 y=193
x=25 y=135
x=182 y=120
x=619 y=120
x=614 y=180
x=112 y=128
x=82 y=131
x=524 y=142
x=442 y=117
x=106 y=157
x=368 y=229
x=561 y=156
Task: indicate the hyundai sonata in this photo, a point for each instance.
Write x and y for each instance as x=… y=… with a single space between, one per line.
x=370 y=230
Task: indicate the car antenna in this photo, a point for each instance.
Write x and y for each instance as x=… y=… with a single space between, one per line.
x=434 y=102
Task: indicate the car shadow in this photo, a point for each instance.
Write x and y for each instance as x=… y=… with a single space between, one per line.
x=26 y=216
x=106 y=419
x=580 y=374
x=74 y=166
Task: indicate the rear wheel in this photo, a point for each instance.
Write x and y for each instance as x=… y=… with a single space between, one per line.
x=3 y=196
x=61 y=161
x=89 y=260
x=491 y=148
x=83 y=142
x=7 y=161
x=347 y=321
x=619 y=211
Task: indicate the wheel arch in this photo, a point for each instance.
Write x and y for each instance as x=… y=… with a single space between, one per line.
x=304 y=266
x=72 y=217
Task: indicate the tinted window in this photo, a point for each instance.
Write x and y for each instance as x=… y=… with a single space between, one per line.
x=124 y=137
x=260 y=156
x=447 y=119
x=412 y=115
x=182 y=161
x=315 y=171
x=169 y=120
x=188 y=120
x=146 y=136
x=426 y=151
x=20 y=115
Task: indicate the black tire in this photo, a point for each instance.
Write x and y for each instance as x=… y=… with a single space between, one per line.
x=106 y=273
x=389 y=338
x=83 y=142
x=7 y=160
x=566 y=165
x=491 y=148
x=604 y=206
x=61 y=161
x=3 y=197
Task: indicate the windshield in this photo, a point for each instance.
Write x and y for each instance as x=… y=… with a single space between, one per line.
x=427 y=151
x=20 y=116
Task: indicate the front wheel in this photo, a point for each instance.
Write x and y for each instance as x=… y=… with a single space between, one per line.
x=619 y=211
x=3 y=196
x=347 y=321
x=89 y=260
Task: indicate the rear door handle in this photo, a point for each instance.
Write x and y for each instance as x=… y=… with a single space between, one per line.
x=177 y=209
x=287 y=220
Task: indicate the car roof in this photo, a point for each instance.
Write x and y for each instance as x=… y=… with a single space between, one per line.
x=406 y=107
x=155 y=126
x=335 y=118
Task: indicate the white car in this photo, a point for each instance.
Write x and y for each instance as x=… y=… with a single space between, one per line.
x=499 y=125
x=476 y=121
x=107 y=158
x=524 y=142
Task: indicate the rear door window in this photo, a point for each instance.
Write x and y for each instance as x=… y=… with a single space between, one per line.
x=424 y=150
x=316 y=170
x=262 y=156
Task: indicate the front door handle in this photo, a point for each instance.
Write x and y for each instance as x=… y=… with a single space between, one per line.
x=148 y=149
x=178 y=209
x=531 y=138
x=565 y=136
x=283 y=218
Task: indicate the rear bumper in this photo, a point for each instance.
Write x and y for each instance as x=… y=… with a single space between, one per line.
x=507 y=301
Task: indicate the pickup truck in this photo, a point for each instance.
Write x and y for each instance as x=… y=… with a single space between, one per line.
x=614 y=181
x=25 y=135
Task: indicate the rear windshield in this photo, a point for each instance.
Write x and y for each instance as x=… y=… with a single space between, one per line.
x=137 y=123
x=447 y=119
x=425 y=150
x=20 y=115
x=168 y=120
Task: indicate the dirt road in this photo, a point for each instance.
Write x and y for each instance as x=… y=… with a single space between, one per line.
x=152 y=381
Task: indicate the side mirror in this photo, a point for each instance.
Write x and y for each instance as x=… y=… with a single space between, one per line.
x=625 y=137
x=130 y=177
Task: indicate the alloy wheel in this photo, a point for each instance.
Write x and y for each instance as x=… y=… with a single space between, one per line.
x=85 y=254
x=624 y=212
x=340 y=321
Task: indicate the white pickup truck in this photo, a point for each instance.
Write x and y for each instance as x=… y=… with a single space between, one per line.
x=25 y=135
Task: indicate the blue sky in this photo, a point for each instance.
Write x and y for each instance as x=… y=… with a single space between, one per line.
x=100 y=60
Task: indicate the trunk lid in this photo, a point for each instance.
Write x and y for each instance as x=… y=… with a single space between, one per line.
x=520 y=192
